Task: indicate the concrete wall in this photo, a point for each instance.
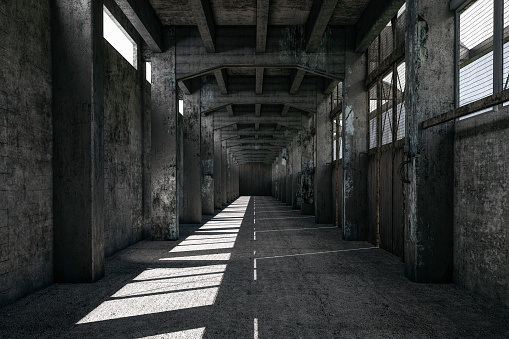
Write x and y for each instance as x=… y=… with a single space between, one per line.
x=126 y=97
x=481 y=215
x=255 y=179
x=26 y=195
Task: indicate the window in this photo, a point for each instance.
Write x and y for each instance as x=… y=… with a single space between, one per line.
x=475 y=49
x=181 y=107
x=118 y=38
x=148 y=72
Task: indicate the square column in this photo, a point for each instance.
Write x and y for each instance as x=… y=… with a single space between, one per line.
x=355 y=141
x=296 y=167
x=217 y=170
x=323 y=167
x=430 y=92
x=192 y=206
x=282 y=176
x=165 y=146
x=224 y=174
x=207 y=164
x=78 y=142
x=288 y=176
x=307 y=166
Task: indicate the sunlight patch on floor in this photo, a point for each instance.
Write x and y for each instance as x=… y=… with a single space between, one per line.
x=165 y=289
x=195 y=333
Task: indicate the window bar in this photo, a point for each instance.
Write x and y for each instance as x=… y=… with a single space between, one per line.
x=498 y=33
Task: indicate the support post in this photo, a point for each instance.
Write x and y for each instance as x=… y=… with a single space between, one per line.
x=207 y=162
x=192 y=206
x=165 y=146
x=430 y=92
x=78 y=142
x=354 y=134
x=323 y=149
x=217 y=170
x=307 y=166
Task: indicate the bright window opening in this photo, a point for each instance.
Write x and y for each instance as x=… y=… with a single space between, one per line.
x=148 y=72
x=118 y=38
x=181 y=107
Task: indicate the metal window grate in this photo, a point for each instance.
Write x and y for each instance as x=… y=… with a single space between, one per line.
x=386 y=42
x=373 y=56
x=387 y=103
x=400 y=113
x=476 y=51
x=505 y=48
x=372 y=132
x=400 y=25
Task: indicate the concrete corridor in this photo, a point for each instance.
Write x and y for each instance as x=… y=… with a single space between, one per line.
x=256 y=269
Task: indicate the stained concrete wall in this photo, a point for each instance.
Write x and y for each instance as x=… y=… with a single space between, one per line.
x=126 y=97
x=481 y=215
x=26 y=195
x=255 y=178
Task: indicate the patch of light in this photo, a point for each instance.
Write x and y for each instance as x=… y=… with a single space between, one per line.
x=210 y=257
x=151 y=304
x=181 y=107
x=195 y=333
x=168 y=289
x=169 y=285
x=117 y=37
x=189 y=248
x=173 y=272
x=148 y=72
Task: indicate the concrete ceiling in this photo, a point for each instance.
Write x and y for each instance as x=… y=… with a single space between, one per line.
x=265 y=82
x=243 y=12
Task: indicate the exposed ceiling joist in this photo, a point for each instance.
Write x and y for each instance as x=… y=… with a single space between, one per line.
x=257 y=126
x=262 y=21
x=373 y=20
x=329 y=86
x=259 y=80
x=319 y=16
x=296 y=80
x=286 y=108
x=145 y=21
x=258 y=110
x=229 y=108
x=222 y=80
x=204 y=19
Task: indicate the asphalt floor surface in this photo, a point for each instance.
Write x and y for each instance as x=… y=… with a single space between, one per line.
x=256 y=269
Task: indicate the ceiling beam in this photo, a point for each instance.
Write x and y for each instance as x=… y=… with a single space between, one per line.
x=318 y=18
x=296 y=80
x=258 y=106
x=229 y=108
x=258 y=110
x=373 y=20
x=259 y=80
x=257 y=126
x=262 y=21
x=145 y=21
x=329 y=86
x=286 y=108
x=205 y=21
x=222 y=80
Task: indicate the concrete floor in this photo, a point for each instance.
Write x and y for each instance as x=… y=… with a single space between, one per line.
x=256 y=269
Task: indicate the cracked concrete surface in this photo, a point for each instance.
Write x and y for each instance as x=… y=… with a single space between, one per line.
x=309 y=284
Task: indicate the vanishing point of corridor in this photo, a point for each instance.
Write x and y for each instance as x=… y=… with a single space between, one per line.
x=256 y=269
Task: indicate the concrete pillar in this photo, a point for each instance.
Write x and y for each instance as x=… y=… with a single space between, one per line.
x=224 y=174
x=355 y=134
x=192 y=207
x=288 y=190
x=165 y=146
x=324 y=199
x=430 y=92
x=282 y=175
x=307 y=166
x=78 y=127
x=217 y=170
x=228 y=176
x=207 y=164
x=296 y=168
